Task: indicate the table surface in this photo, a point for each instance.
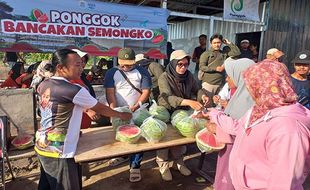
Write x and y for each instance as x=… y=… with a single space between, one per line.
x=99 y=143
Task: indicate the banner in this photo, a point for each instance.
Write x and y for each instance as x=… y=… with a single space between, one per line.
x=48 y=25
x=241 y=10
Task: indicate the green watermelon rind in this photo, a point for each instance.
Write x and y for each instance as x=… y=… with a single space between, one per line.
x=140 y=116
x=131 y=139
x=32 y=16
x=116 y=122
x=204 y=147
x=187 y=127
x=153 y=130
x=23 y=146
x=160 y=112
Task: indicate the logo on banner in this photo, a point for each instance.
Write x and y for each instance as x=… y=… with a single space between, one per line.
x=236 y=6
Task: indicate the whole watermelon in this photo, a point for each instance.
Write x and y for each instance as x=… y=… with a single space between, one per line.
x=153 y=130
x=177 y=116
x=187 y=127
x=139 y=116
x=159 y=112
x=117 y=121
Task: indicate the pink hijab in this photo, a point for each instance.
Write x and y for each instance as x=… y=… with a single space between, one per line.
x=270 y=86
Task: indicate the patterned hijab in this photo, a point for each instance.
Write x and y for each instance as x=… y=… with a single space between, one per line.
x=270 y=86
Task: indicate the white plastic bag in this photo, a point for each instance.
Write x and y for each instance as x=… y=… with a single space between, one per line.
x=153 y=130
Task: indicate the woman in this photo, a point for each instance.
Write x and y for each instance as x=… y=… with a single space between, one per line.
x=14 y=73
x=239 y=103
x=271 y=148
x=177 y=87
x=62 y=104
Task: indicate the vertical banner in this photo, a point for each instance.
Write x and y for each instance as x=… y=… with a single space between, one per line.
x=241 y=10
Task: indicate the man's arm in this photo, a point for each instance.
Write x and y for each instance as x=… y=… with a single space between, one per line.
x=110 y=94
x=203 y=63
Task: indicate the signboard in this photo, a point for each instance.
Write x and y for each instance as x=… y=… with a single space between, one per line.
x=241 y=9
x=48 y=25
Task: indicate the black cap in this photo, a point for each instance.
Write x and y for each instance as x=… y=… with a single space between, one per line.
x=302 y=57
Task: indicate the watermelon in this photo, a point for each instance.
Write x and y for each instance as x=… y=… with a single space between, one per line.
x=159 y=112
x=22 y=142
x=35 y=14
x=187 y=127
x=207 y=142
x=158 y=39
x=177 y=116
x=116 y=122
x=128 y=133
x=140 y=115
x=43 y=18
x=153 y=130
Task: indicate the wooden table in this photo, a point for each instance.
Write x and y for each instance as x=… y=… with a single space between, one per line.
x=99 y=143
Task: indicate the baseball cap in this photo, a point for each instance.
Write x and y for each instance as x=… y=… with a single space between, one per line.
x=126 y=56
x=245 y=41
x=178 y=54
x=275 y=52
x=79 y=52
x=302 y=57
x=139 y=57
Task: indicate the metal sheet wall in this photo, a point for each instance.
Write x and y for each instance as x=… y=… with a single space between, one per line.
x=288 y=27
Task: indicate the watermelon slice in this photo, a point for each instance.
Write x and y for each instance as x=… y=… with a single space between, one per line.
x=207 y=142
x=43 y=18
x=35 y=14
x=128 y=133
x=22 y=142
x=158 y=39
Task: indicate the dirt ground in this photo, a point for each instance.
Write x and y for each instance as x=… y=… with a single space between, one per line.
x=102 y=176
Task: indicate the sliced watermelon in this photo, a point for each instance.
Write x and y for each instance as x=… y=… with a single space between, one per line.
x=22 y=142
x=43 y=18
x=35 y=14
x=158 y=39
x=128 y=133
x=207 y=142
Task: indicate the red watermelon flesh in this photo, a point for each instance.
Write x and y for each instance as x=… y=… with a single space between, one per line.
x=157 y=39
x=129 y=130
x=43 y=18
x=207 y=142
x=21 y=140
x=37 y=13
x=208 y=138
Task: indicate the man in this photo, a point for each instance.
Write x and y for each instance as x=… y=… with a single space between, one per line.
x=62 y=104
x=275 y=55
x=155 y=69
x=199 y=50
x=128 y=85
x=245 y=49
x=211 y=64
x=299 y=77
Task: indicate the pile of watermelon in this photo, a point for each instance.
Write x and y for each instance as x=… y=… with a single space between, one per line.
x=187 y=127
x=22 y=142
x=159 y=112
x=153 y=130
x=207 y=142
x=116 y=122
x=128 y=133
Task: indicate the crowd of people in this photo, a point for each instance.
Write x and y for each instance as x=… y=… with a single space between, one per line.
x=257 y=109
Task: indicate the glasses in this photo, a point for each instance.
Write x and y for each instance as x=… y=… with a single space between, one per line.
x=180 y=65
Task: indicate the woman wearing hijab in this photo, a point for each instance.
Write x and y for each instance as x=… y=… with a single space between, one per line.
x=177 y=88
x=271 y=148
x=239 y=104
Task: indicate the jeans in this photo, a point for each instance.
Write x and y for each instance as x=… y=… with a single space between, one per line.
x=135 y=160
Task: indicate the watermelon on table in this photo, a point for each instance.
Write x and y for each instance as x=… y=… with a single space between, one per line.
x=140 y=115
x=128 y=133
x=207 y=142
x=159 y=112
x=177 y=116
x=188 y=126
x=117 y=121
x=22 y=142
x=153 y=130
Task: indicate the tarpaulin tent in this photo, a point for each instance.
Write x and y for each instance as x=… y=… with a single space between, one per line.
x=92 y=26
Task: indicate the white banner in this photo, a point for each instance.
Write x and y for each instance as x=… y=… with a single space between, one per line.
x=241 y=9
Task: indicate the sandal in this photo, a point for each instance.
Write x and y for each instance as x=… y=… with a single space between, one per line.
x=117 y=161
x=135 y=175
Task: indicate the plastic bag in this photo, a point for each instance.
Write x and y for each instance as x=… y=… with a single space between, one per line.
x=159 y=112
x=140 y=114
x=188 y=126
x=117 y=121
x=153 y=130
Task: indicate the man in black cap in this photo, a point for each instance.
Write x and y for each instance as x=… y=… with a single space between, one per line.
x=300 y=77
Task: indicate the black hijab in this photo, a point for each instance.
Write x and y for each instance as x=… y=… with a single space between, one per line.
x=177 y=82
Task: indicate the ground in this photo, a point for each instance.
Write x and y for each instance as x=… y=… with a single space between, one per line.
x=116 y=178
